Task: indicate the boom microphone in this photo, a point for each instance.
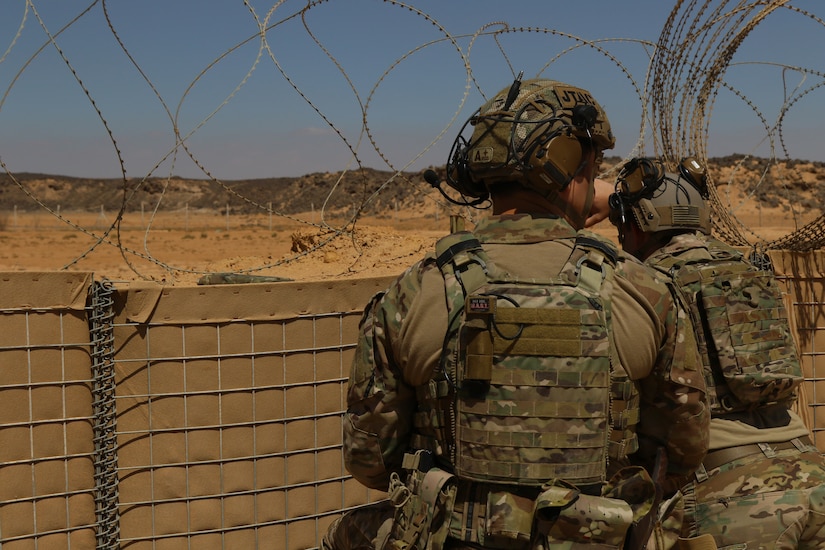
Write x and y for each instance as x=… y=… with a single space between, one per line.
x=432 y=178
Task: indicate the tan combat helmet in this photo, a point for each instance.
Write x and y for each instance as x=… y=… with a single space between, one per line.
x=530 y=133
x=661 y=201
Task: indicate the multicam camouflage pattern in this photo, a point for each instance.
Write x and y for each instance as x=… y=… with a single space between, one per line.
x=764 y=500
x=508 y=520
x=375 y=437
x=747 y=349
x=761 y=503
x=533 y=378
x=668 y=528
x=751 y=336
x=587 y=521
x=370 y=527
x=503 y=140
x=423 y=509
x=400 y=382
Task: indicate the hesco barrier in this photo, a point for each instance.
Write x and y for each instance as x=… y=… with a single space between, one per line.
x=151 y=417
x=139 y=416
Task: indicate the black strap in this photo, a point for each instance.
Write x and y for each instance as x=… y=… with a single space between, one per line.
x=445 y=257
x=604 y=248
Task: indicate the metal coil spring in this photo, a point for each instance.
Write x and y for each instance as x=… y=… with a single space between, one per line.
x=101 y=314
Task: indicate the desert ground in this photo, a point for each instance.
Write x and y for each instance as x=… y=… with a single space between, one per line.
x=180 y=252
x=179 y=245
x=180 y=248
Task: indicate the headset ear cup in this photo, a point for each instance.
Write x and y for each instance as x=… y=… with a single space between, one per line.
x=695 y=173
x=559 y=158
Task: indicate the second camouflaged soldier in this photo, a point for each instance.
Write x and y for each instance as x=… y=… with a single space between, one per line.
x=761 y=484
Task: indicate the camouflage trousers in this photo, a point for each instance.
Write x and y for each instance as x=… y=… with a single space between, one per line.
x=760 y=502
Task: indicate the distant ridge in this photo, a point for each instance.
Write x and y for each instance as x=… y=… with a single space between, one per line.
x=290 y=195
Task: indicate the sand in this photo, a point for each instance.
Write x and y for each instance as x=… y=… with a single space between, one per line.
x=180 y=248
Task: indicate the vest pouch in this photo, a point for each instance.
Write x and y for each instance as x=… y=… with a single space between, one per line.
x=751 y=337
x=422 y=510
x=578 y=520
x=509 y=520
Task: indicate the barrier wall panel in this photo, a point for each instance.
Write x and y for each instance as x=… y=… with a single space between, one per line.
x=47 y=483
x=229 y=424
x=804 y=278
x=228 y=404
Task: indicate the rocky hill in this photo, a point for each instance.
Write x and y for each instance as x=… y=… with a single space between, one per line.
x=795 y=182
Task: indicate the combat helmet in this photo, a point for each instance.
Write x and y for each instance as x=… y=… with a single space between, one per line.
x=530 y=133
x=657 y=200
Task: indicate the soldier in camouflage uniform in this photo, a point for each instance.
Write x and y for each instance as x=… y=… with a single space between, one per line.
x=527 y=385
x=761 y=485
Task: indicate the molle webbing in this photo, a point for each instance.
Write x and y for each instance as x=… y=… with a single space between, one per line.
x=534 y=390
x=625 y=398
x=625 y=412
x=689 y=276
x=530 y=393
x=431 y=422
x=541 y=332
x=751 y=339
x=462 y=263
x=742 y=331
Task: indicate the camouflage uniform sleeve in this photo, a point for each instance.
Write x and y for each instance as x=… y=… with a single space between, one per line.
x=380 y=404
x=674 y=411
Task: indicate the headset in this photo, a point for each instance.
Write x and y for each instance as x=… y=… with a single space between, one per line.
x=539 y=144
x=557 y=153
x=660 y=201
x=695 y=173
x=638 y=177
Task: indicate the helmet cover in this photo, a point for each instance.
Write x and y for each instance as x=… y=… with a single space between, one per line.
x=660 y=200
x=534 y=138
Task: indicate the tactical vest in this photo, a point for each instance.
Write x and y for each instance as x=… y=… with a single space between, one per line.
x=749 y=356
x=527 y=390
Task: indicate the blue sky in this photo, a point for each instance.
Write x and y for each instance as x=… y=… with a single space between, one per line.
x=199 y=66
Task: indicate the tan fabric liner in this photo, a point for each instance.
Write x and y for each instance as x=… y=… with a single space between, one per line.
x=44 y=290
x=154 y=304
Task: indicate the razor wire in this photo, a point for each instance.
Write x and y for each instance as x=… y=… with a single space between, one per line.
x=695 y=50
x=683 y=74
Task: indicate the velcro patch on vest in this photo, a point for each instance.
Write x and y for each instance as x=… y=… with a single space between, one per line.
x=480 y=305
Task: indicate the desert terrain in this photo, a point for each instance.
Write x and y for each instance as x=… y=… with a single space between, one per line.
x=185 y=246
x=175 y=255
